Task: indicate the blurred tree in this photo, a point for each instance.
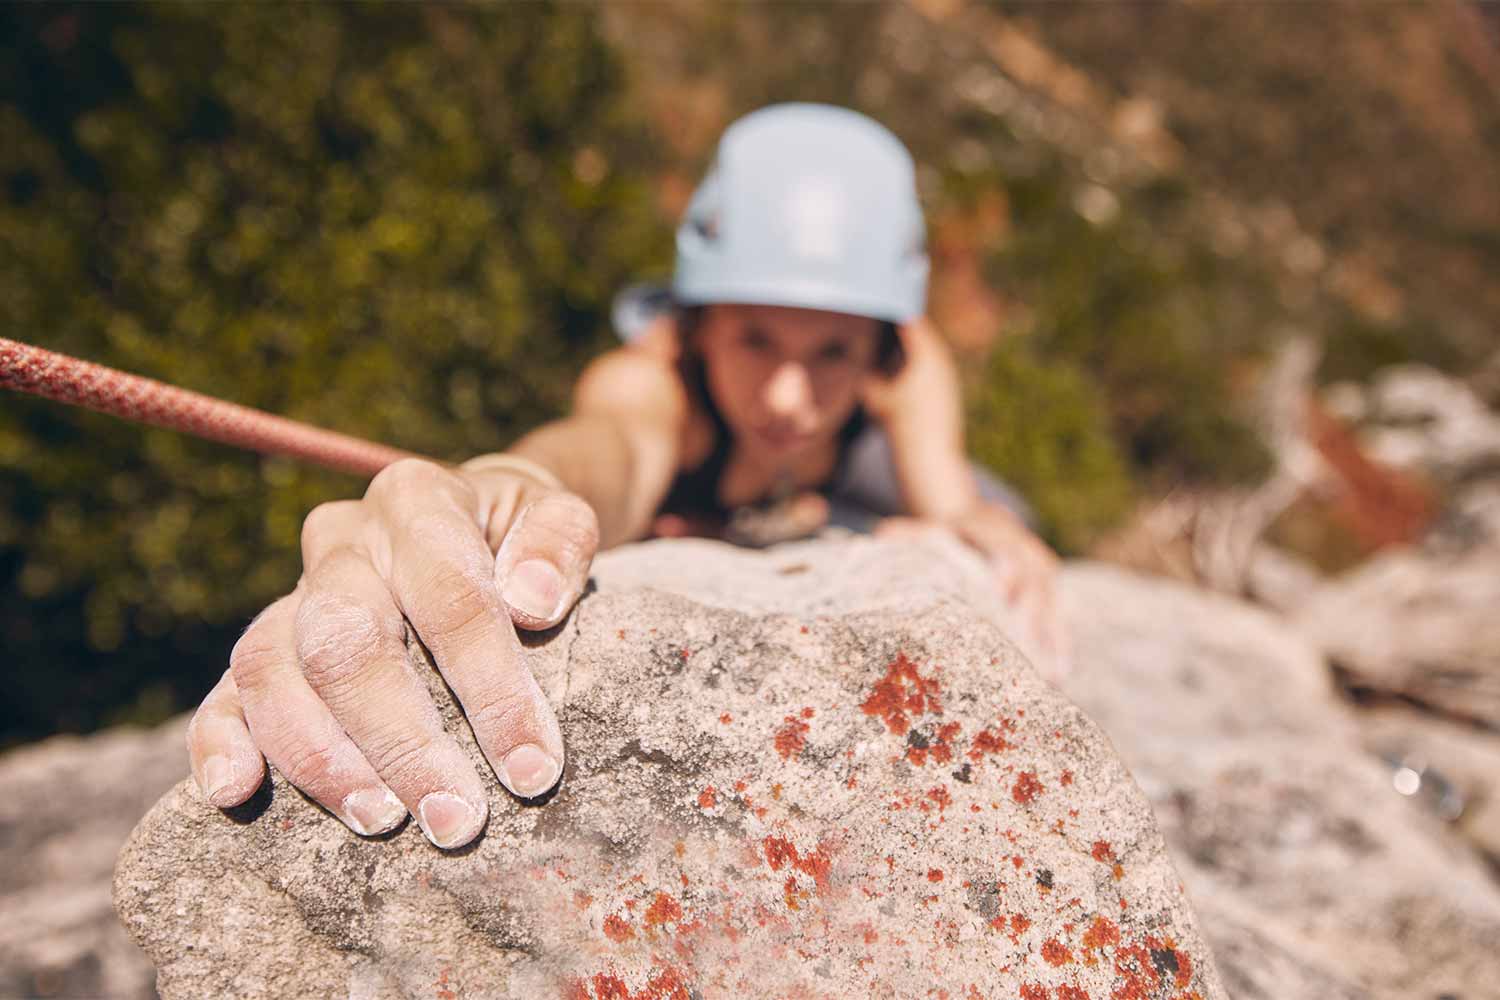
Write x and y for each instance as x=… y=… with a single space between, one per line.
x=401 y=222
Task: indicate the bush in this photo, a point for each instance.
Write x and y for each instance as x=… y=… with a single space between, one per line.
x=370 y=217
x=1045 y=429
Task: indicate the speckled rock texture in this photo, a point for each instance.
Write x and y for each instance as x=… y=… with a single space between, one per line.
x=1312 y=877
x=819 y=771
x=66 y=806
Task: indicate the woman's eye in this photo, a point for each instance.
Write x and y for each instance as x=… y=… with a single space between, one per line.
x=833 y=354
x=756 y=342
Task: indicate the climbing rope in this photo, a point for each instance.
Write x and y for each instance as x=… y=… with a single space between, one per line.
x=70 y=380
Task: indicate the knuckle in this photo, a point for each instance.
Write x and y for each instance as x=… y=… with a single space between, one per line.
x=405 y=475
x=256 y=655
x=404 y=758
x=194 y=734
x=510 y=710
x=311 y=767
x=325 y=522
x=456 y=602
x=338 y=636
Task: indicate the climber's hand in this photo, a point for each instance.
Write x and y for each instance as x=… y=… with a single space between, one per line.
x=1025 y=571
x=321 y=684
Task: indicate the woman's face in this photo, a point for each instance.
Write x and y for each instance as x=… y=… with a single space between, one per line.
x=785 y=379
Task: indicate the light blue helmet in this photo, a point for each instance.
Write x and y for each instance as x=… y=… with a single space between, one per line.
x=806 y=205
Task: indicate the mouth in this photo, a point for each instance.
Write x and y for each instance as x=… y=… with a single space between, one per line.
x=783 y=438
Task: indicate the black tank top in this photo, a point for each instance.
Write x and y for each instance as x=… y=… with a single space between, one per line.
x=694 y=494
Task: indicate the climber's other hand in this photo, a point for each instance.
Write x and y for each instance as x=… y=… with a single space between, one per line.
x=1025 y=571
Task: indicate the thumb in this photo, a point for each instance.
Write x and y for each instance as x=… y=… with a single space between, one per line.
x=543 y=563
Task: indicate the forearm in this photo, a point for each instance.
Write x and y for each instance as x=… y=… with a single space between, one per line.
x=937 y=482
x=921 y=411
x=621 y=471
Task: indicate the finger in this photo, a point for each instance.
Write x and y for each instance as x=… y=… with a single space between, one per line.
x=1009 y=579
x=903 y=527
x=671 y=526
x=298 y=733
x=543 y=563
x=332 y=525
x=225 y=762
x=443 y=578
x=350 y=641
x=807 y=513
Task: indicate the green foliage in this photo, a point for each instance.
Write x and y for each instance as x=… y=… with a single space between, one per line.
x=401 y=222
x=1046 y=429
x=1391 y=169
x=1154 y=325
x=1355 y=348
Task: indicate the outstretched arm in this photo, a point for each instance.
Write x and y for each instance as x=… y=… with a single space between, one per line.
x=921 y=410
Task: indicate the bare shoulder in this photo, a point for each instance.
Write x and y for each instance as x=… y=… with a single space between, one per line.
x=630 y=381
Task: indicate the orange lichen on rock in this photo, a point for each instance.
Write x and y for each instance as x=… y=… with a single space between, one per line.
x=792 y=737
x=1102 y=932
x=789 y=891
x=942 y=749
x=1026 y=788
x=1103 y=852
x=1165 y=958
x=617 y=928
x=902 y=693
x=666 y=984
x=938 y=746
x=1055 y=952
x=708 y=798
x=989 y=741
x=781 y=853
x=663 y=909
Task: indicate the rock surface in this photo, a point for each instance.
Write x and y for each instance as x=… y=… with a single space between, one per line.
x=1456 y=768
x=1419 y=623
x=66 y=806
x=1312 y=877
x=818 y=771
x=1415 y=417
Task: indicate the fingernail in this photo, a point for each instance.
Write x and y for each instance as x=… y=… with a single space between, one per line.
x=369 y=811
x=528 y=771
x=536 y=588
x=448 y=820
x=218 y=775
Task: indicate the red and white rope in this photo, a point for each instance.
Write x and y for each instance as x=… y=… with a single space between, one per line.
x=82 y=383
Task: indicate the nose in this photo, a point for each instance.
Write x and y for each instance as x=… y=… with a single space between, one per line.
x=789 y=392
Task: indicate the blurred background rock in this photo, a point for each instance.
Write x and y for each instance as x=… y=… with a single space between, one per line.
x=1179 y=249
